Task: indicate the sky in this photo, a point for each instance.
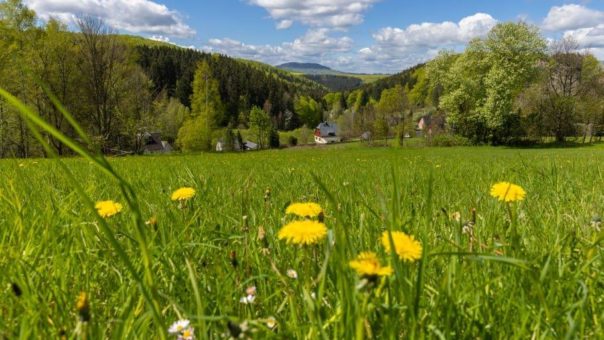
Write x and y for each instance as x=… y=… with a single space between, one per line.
x=361 y=36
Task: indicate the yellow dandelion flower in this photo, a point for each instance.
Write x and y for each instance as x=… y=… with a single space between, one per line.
x=367 y=264
x=83 y=307
x=183 y=194
x=304 y=209
x=405 y=246
x=303 y=232
x=108 y=208
x=507 y=192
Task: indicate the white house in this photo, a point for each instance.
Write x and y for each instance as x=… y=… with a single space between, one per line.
x=326 y=133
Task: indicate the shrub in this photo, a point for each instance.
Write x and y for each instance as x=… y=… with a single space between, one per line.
x=292 y=141
x=449 y=140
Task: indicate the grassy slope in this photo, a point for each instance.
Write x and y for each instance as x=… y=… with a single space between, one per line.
x=51 y=246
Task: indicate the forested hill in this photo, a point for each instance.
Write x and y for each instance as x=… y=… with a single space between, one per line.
x=407 y=78
x=241 y=84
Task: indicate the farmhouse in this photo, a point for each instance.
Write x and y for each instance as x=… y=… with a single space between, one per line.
x=326 y=133
x=152 y=143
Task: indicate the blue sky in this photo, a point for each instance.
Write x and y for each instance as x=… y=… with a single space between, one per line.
x=351 y=35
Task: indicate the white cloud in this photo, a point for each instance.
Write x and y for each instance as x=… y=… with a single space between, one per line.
x=284 y=24
x=317 y=13
x=160 y=38
x=136 y=16
x=571 y=17
x=315 y=45
x=588 y=37
x=399 y=48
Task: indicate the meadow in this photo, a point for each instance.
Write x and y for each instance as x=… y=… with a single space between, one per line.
x=488 y=269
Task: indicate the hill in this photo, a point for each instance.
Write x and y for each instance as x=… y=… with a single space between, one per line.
x=332 y=79
x=242 y=83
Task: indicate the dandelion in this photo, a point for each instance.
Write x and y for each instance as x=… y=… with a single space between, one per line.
x=303 y=232
x=405 y=246
x=507 y=192
x=368 y=265
x=292 y=274
x=304 y=209
x=179 y=326
x=183 y=194
x=83 y=307
x=107 y=209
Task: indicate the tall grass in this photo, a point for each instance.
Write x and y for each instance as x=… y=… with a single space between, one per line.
x=197 y=262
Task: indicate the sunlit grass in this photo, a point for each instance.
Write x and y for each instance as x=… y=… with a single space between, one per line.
x=206 y=253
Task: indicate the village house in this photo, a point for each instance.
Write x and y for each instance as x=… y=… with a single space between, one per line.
x=152 y=143
x=326 y=133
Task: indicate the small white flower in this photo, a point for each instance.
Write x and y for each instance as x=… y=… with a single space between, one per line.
x=178 y=326
x=246 y=300
x=271 y=322
x=187 y=334
x=251 y=290
x=292 y=274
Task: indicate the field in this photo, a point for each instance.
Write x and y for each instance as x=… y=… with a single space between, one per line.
x=526 y=269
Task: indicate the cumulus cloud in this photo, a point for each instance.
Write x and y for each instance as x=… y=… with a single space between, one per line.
x=398 y=48
x=317 y=13
x=284 y=24
x=315 y=45
x=160 y=38
x=136 y=16
x=571 y=17
x=592 y=37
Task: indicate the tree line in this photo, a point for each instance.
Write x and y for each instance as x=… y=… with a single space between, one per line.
x=510 y=87
x=119 y=91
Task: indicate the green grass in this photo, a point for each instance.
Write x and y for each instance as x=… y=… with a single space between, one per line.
x=550 y=285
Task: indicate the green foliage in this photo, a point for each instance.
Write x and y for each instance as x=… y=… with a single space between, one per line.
x=273 y=139
x=171 y=114
x=447 y=140
x=292 y=141
x=309 y=111
x=206 y=112
x=260 y=126
x=194 y=135
x=480 y=85
x=205 y=100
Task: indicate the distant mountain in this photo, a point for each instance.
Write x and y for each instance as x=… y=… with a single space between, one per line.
x=306 y=68
x=332 y=79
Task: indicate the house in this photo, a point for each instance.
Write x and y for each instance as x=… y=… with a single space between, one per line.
x=326 y=133
x=250 y=145
x=222 y=146
x=430 y=124
x=152 y=143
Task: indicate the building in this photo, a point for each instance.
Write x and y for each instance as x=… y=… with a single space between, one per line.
x=152 y=143
x=326 y=133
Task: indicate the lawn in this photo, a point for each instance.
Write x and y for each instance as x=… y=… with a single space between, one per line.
x=488 y=269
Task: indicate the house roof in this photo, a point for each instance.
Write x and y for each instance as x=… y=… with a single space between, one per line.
x=327 y=129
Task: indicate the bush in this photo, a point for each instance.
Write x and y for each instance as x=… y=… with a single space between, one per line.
x=449 y=140
x=292 y=141
x=273 y=139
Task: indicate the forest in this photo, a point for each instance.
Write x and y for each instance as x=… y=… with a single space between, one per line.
x=510 y=87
